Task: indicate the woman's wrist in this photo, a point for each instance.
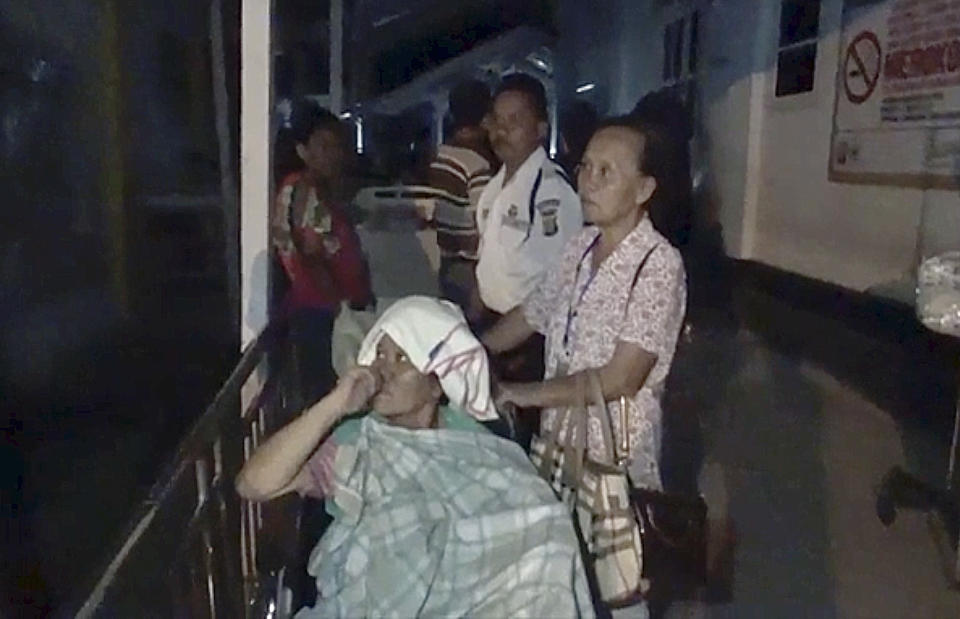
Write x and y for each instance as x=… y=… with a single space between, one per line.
x=520 y=394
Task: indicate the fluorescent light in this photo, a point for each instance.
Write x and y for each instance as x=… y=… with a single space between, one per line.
x=541 y=59
x=586 y=87
x=359 y=136
x=383 y=21
x=345 y=115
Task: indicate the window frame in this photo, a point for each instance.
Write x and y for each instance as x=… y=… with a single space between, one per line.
x=794 y=46
x=681 y=47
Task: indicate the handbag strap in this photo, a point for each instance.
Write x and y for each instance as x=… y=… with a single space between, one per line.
x=552 y=445
x=636 y=277
x=603 y=414
x=596 y=387
x=575 y=441
x=552 y=442
x=624 y=452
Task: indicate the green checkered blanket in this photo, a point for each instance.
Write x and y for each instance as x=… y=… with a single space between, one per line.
x=444 y=523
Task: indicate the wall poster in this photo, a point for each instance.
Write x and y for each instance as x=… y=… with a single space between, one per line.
x=897 y=108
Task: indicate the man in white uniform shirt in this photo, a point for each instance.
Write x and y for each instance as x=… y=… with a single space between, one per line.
x=526 y=214
x=528 y=210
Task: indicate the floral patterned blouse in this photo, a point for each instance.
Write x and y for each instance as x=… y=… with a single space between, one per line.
x=584 y=313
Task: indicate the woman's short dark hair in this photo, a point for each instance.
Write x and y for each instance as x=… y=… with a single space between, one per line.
x=308 y=117
x=530 y=87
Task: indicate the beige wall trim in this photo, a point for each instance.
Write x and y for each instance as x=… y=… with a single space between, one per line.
x=256 y=94
x=905 y=180
x=754 y=167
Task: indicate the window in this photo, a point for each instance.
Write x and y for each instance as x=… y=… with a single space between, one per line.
x=674 y=68
x=673 y=51
x=694 y=42
x=797 y=48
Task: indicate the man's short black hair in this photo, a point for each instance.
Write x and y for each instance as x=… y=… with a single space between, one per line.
x=469 y=103
x=530 y=87
x=309 y=117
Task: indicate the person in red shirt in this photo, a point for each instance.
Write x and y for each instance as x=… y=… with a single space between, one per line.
x=317 y=245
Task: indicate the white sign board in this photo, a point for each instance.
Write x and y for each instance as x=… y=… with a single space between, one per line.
x=897 y=109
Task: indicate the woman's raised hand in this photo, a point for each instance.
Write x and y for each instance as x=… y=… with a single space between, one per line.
x=355 y=389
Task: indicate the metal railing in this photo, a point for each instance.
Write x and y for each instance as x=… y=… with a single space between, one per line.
x=193 y=547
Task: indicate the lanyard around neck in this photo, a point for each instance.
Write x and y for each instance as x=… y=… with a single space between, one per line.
x=572 y=309
x=576 y=300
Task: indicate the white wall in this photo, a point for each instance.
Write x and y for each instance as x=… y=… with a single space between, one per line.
x=767 y=157
x=623 y=54
x=255 y=167
x=621 y=49
x=638 y=32
x=848 y=234
x=857 y=236
x=731 y=82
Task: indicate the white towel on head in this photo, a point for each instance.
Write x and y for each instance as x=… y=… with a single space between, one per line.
x=437 y=340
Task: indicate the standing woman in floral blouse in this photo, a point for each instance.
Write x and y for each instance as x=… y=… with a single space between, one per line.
x=317 y=245
x=614 y=302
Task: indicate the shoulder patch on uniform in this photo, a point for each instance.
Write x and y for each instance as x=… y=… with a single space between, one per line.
x=547 y=205
x=548 y=209
x=550 y=224
x=555 y=170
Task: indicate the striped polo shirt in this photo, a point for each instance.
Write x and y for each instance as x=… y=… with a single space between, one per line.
x=457 y=177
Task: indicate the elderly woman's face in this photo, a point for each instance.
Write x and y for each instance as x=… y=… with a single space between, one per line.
x=611 y=185
x=405 y=390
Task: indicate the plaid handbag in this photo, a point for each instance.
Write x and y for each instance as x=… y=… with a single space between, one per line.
x=598 y=494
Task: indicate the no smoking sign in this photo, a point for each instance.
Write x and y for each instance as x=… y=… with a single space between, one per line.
x=861 y=67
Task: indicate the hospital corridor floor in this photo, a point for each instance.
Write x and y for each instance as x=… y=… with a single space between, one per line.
x=791 y=459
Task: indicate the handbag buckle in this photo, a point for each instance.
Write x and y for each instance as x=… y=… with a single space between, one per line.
x=622 y=450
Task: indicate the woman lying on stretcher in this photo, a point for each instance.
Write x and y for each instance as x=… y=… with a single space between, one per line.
x=433 y=514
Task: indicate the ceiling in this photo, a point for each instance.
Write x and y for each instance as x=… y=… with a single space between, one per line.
x=394 y=42
x=395 y=18
x=513 y=48
x=394 y=49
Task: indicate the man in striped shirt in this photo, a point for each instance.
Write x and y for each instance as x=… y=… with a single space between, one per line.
x=457 y=176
